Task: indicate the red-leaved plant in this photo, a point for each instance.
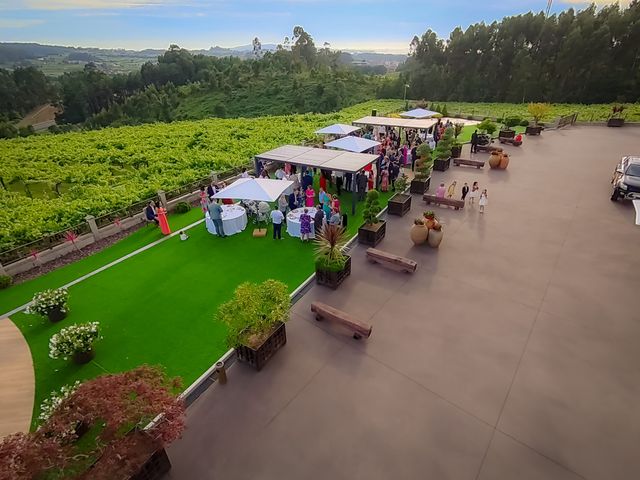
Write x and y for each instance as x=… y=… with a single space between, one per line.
x=71 y=236
x=114 y=409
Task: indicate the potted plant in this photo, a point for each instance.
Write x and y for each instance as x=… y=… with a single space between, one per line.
x=616 y=119
x=374 y=229
x=400 y=203
x=419 y=232
x=332 y=266
x=487 y=126
x=508 y=130
x=538 y=112
x=456 y=148
x=424 y=165
x=255 y=317
x=75 y=341
x=50 y=303
x=443 y=151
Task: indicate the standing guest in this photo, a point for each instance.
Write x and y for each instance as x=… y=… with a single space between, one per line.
x=305 y=225
x=162 y=220
x=215 y=214
x=394 y=171
x=299 y=199
x=310 y=195
x=483 y=200
x=474 y=142
x=348 y=182
x=282 y=203
x=465 y=191
x=150 y=212
x=440 y=191
x=293 y=199
x=260 y=167
x=370 y=179
x=318 y=219
x=212 y=190
x=323 y=180
x=404 y=151
x=339 y=182
x=244 y=174
x=279 y=173
x=451 y=191
x=287 y=169
x=307 y=180
x=203 y=198
x=276 y=218
x=414 y=156
x=361 y=182
x=335 y=203
x=296 y=181
x=474 y=192
x=335 y=219
x=264 y=173
x=384 y=184
x=323 y=198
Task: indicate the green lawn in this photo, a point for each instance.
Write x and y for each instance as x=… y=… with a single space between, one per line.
x=158 y=306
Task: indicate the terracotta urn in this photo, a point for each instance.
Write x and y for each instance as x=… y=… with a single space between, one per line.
x=494 y=159
x=419 y=234
x=434 y=238
x=504 y=161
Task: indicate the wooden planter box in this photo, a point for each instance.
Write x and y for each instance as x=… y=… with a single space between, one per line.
x=442 y=165
x=456 y=151
x=372 y=235
x=155 y=468
x=533 y=130
x=399 y=204
x=615 y=122
x=507 y=134
x=420 y=186
x=332 y=279
x=258 y=357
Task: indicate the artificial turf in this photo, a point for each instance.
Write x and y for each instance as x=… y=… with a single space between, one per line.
x=158 y=307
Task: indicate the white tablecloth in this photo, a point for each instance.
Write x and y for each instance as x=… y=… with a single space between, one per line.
x=234 y=220
x=293 y=221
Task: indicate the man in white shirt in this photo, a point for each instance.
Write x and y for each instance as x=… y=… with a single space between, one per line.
x=280 y=173
x=277 y=217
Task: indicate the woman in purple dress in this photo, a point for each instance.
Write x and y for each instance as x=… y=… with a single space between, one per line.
x=305 y=225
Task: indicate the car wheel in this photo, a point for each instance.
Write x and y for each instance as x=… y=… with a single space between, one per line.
x=615 y=195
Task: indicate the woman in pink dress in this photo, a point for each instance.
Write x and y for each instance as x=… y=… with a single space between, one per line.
x=335 y=203
x=384 y=184
x=162 y=219
x=310 y=195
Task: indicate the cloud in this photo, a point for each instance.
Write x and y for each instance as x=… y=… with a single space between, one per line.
x=100 y=4
x=19 y=22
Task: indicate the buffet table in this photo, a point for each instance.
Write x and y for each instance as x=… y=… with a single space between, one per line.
x=234 y=220
x=293 y=221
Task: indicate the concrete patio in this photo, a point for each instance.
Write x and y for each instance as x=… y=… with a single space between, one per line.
x=512 y=352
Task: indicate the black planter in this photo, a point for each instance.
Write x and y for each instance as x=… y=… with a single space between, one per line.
x=332 y=279
x=56 y=315
x=154 y=468
x=533 y=130
x=507 y=133
x=456 y=151
x=420 y=185
x=258 y=357
x=442 y=165
x=372 y=235
x=615 y=122
x=83 y=357
x=399 y=204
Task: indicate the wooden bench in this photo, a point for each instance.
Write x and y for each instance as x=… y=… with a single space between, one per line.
x=389 y=260
x=326 y=312
x=449 y=202
x=510 y=141
x=471 y=163
x=488 y=148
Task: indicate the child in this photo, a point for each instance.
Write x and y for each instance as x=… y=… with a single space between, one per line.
x=451 y=191
x=474 y=193
x=483 y=200
x=203 y=198
x=465 y=191
x=183 y=236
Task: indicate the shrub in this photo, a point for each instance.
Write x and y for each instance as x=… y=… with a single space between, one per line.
x=524 y=123
x=5 y=281
x=254 y=311
x=73 y=339
x=511 y=122
x=50 y=404
x=182 y=207
x=48 y=300
x=457 y=129
x=401 y=183
x=329 y=244
x=538 y=111
x=371 y=207
x=487 y=126
x=443 y=149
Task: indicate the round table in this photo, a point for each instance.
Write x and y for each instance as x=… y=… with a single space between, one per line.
x=234 y=220
x=293 y=221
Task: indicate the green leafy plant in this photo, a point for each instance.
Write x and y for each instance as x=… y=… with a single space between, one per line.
x=401 y=183
x=371 y=207
x=538 y=111
x=443 y=149
x=48 y=300
x=511 y=122
x=430 y=214
x=77 y=338
x=616 y=111
x=487 y=126
x=457 y=129
x=5 y=281
x=182 y=207
x=329 y=244
x=254 y=311
x=425 y=164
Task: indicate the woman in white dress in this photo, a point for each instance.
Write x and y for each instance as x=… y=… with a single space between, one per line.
x=483 y=200
x=474 y=193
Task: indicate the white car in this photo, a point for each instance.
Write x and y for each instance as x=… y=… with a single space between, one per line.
x=626 y=179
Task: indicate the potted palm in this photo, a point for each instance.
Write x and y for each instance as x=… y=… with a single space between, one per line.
x=616 y=119
x=332 y=266
x=50 y=303
x=374 y=229
x=456 y=148
x=255 y=318
x=508 y=130
x=424 y=165
x=538 y=112
x=400 y=203
x=75 y=341
x=443 y=151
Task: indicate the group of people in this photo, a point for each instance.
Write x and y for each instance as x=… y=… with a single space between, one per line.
x=472 y=193
x=157 y=215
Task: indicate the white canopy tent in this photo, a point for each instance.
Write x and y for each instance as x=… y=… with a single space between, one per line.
x=418 y=113
x=353 y=144
x=258 y=189
x=338 y=129
x=422 y=124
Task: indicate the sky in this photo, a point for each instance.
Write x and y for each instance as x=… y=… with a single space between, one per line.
x=377 y=25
